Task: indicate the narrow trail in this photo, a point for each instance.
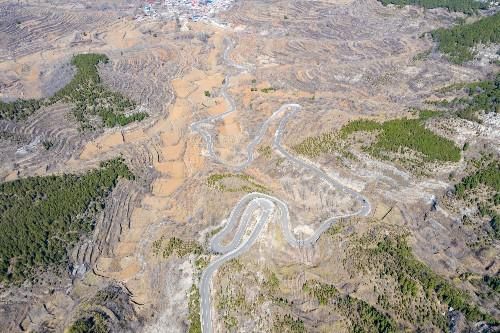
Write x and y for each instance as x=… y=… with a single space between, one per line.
x=262 y=206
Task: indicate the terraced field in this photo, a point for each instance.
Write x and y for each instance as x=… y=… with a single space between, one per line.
x=52 y=125
x=219 y=94
x=27 y=30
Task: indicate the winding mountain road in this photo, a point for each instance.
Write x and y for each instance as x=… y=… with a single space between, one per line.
x=261 y=206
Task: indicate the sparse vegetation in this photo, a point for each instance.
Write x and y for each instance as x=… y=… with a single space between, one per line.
x=109 y=310
x=313 y=146
x=92 y=324
x=422 y=55
x=431 y=282
x=213 y=232
x=229 y=182
x=493 y=282
x=323 y=293
x=227 y=304
x=485 y=173
x=201 y=263
x=272 y=282
x=13 y=137
x=393 y=259
x=362 y=316
x=457 y=43
x=287 y=324
x=42 y=217
x=230 y=300
x=333 y=230
x=176 y=246
x=90 y=97
x=268 y=90
x=47 y=144
x=85 y=91
x=265 y=151
x=194 y=310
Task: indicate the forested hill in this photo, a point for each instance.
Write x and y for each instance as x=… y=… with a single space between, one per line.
x=42 y=217
x=465 y=6
x=476 y=97
x=458 y=42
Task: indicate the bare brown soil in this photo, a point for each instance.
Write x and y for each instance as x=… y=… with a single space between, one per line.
x=340 y=59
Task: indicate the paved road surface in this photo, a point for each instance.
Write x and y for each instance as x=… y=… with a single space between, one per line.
x=259 y=205
x=263 y=206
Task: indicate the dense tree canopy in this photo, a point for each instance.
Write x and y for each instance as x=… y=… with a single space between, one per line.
x=481 y=96
x=41 y=217
x=19 y=109
x=406 y=133
x=458 y=42
x=466 y=6
x=391 y=136
x=487 y=174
